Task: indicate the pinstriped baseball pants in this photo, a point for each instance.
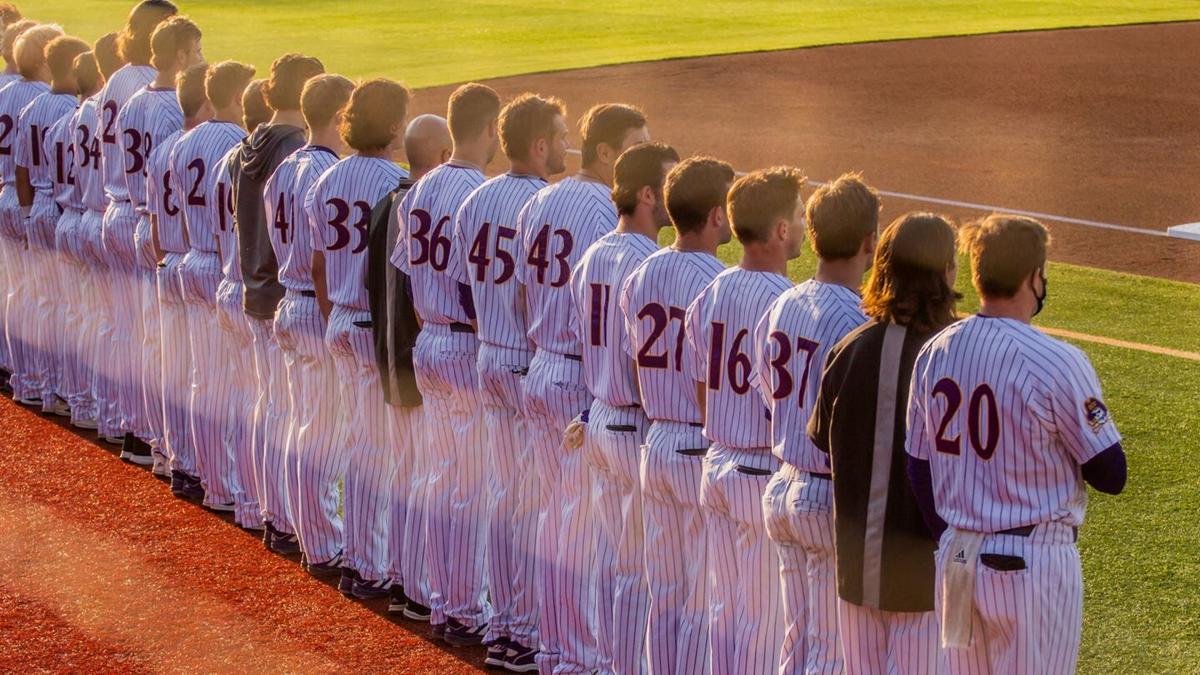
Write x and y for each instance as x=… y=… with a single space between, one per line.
x=148 y=365
x=618 y=434
x=878 y=642
x=798 y=512
x=1025 y=621
x=101 y=317
x=125 y=346
x=76 y=369
x=676 y=572
x=554 y=395
x=512 y=494
x=316 y=436
x=269 y=440
x=176 y=366
x=45 y=369
x=238 y=381
x=373 y=455
x=15 y=279
x=456 y=503
x=208 y=403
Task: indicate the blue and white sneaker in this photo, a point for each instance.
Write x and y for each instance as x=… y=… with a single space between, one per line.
x=185 y=486
x=461 y=635
x=371 y=589
x=416 y=611
x=283 y=543
x=346 y=584
x=397 y=600
x=328 y=569
x=520 y=659
x=497 y=653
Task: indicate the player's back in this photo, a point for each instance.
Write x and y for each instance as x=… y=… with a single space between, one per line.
x=121 y=87
x=432 y=206
x=35 y=122
x=654 y=305
x=794 y=338
x=162 y=198
x=87 y=157
x=720 y=352
x=1005 y=415
x=596 y=286
x=61 y=153
x=340 y=213
x=284 y=196
x=488 y=250
x=562 y=221
x=222 y=198
x=152 y=114
x=193 y=175
x=13 y=99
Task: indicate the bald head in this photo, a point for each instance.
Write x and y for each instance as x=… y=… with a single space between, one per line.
x=427 y=144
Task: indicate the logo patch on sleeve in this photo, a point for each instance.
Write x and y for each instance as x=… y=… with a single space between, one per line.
x=1097 y=414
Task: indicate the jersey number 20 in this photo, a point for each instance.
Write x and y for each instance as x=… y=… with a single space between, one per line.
x=983 y=402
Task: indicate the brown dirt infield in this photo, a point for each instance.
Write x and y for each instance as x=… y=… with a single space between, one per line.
x=102 y=570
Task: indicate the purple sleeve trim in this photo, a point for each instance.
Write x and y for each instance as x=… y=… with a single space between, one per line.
x=1107 y=471
x=921 y=481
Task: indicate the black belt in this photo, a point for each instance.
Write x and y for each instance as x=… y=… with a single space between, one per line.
x=309 y=294
x=695 y=425
x=1027 y=530
x=573 y=357
x=822 y=476
x=461 y=328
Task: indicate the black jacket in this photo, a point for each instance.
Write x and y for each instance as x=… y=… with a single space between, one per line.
x=393 y=319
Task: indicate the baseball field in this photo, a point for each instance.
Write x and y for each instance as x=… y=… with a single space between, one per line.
x=1084 y=114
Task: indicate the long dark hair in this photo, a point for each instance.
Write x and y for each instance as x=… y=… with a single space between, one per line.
x=908 y=279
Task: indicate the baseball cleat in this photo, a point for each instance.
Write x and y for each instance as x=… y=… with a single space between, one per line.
x=136 y=451
x=520 y=659
x=223 y=508
x=416 y=611
x=283 y=543
x=57 y=407
x=186 y=487
x=397 y=601
x=497 y=653
x=328 y=569
x=461 y=635
x=113 y=440
x=346 y=584
x=88 y=424
x=28 y=400
x=437 y=630
x=371 y=589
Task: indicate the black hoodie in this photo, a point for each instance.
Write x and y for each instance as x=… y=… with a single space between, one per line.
x=261 y=153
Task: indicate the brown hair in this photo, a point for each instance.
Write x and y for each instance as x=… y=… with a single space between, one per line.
x=527 y=118
x=1004 y=251
x=288 y=75
x=9 y=13
x=607 y=123
x=637 y=167
x=189 y=88
x=134 y=41
x=471 y=107
x=841 y=215
x=11 y=33
x=323 y=96
x=374 y=114
x=87 y=73
x=173 y=35
x=61 y=53
x=695 y=187
x=908 y=278
x=30 y=50
x=108 y=57
x=760 y=198
x=226 y=81
x=255 y=110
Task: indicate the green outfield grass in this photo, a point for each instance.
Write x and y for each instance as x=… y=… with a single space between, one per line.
x=1140 y=549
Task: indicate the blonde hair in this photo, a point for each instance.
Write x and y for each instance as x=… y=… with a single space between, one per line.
x=759 y=199
x=841 y=215
x=1004 y=251
x=30 y=50
x=374 y=114
x=322 y=98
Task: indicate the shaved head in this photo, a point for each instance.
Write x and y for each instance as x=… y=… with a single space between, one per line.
x=427 y=143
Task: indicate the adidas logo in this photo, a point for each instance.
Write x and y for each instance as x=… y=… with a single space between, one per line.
x=961 y=556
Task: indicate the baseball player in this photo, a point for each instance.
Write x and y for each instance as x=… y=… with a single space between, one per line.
x=316 y=439
x=120 y=221
x=1005 y=426
x=166 y=222
x=792 y=341
x=558 y=225
x=11 y=33
x=259 y=156
x=9 y=15
x=19 y=320
x=616 y=421
x=767 y=215
x=193 y=165
x=444 y=358
x=884 y=548
x=653 y=306
x=34 y=174
x=533 y=134
x=149 y=116
x=339 y=205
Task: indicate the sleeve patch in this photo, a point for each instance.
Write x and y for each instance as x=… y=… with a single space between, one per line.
x=1097 y=413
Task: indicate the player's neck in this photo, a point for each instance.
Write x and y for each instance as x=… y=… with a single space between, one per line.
x=384 y=153
x=695 y=242
x=594 y=173
x=57 y=88
x=527 y=168
x=1005 y=308
x=758 y=258
x=194 y=121
x=637 y=224
x=847 y=272
x=326 y=137
x=165 y=79
x=289 y=117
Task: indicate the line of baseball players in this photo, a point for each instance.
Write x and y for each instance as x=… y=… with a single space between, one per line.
x=555 y=438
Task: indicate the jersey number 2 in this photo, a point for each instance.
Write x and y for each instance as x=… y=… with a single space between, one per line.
x=983 y=402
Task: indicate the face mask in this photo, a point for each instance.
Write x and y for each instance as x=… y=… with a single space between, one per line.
x=1041 y=299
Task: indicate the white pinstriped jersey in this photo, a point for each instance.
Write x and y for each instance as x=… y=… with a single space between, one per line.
x=791 y=343
x=61 y=151
x=8 y=78
x=654 y=305
x=87 y=157
x=227 y=237
x=193 y=177
x=284 y=200
x=340 y=213
x=151 y=115
x=425 y=249
x=561 y=222
x=486 y=238
x=121 y=87
x=13 y=99
x=1005 y=415
x=601 y=274
x=34 y=124
x=719 y=352
x=162 y=198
